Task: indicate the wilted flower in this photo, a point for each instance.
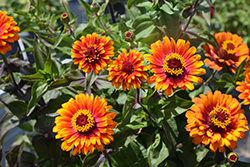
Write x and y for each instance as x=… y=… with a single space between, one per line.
x=92 y=53
x=8 y=32
x=174 y=65
x=85 y=124
x=216 y=119
x=231 y=53
x=128 y=69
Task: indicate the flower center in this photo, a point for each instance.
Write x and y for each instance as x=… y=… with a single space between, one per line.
x=229 y=47
x=233 y=157
x=127 y=67
x=128 y=34
x=174 y=64
x=91 y=53
x=220 y=117
x=82 y=121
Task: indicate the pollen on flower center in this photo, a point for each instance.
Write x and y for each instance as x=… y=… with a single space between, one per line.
x=174 y=64
x=91 y=53
x=127 y=67
x=220 y=117
x=82 y=121
x=229 y=47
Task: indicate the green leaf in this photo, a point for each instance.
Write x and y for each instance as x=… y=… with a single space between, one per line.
x=127 y=108
x=59 y=39
x=132 y=3
x=86 y=6
x=54 y=104
x=157 y=152
x=46 y=147
x=17 y=107
x=167 y=8
x=59 y=83
x=90 y=79
x=38 y=90
x=225 y=77
x=39 y=76
x=27 y=159
x=79 y=28
x=122 y=26
x=239 y=70
x=45 y=124
x=241 y=164
x=26 y=126
x=38 y=56
x=48 y=64
x=176 y=106
x=13 y=156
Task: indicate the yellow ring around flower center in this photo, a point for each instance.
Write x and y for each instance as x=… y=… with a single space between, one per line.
x=229 y=47
x=86 y=117
x=219 y=117
x=91 y=53
x=167 y=67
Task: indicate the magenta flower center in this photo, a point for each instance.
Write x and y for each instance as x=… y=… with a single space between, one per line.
x=81 y=120
x=127 y=67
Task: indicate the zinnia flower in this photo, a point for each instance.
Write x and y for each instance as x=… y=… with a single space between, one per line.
x=216 y=119
x=8 y=32
x=232 y=52
x=244 y=88
x=174 y=65
x=84 y=124
x=92 y=53
x=128 y=69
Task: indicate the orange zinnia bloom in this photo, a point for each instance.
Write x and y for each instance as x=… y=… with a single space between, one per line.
x=216 y=119
x=128 y=69
x=92 y=53
x=174 y=64
x=232 y=52
x=8 y=32
x=244 y=87
x=84 y=123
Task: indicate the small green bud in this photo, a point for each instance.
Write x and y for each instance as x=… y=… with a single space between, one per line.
x=95 y=7
x=65 y=18
x=32 y=9
x=129 y=36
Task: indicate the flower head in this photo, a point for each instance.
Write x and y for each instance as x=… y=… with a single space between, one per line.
x=174 y=65
x=128 y=69
x=244 y=87
x=231 y=53
x=92 y=53
x=8 y=32
x=216 y=119
x=84 y=124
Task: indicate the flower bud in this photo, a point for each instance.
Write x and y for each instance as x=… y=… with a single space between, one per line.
x=32 y=9
x=232 y=157
x=129 y=36
x=65 y=18
x=95 y=7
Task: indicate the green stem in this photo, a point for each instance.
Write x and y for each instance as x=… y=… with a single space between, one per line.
x=188 y=22
x=107 y=158
x=144 y=109
x=211 y=77
x=11 y=74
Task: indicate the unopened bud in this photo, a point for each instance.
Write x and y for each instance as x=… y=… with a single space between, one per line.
x=95 y=7
x=65 y=17
x=129 y=36
x=232 y=157
x=32 y=9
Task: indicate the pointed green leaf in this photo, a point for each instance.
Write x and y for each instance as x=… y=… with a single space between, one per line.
x=38 y=56
x=132 y=3
x=239 y=70
x=59 y=39
x=39 y=76
x=38 y=90
x=67 y=10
